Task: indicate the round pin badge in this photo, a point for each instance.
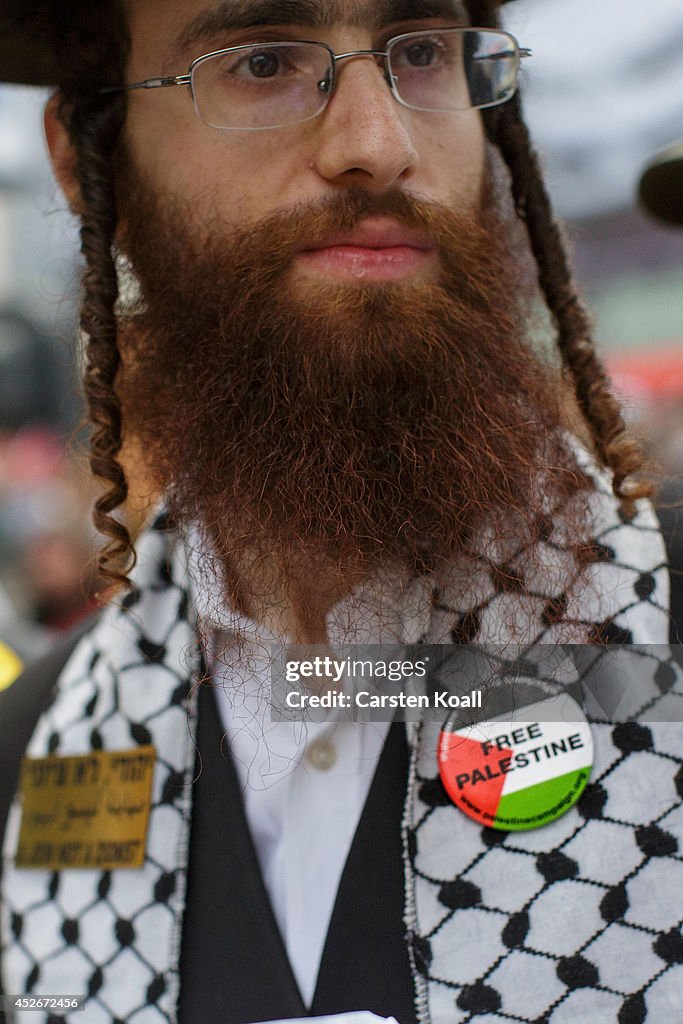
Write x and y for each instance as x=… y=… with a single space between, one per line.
x=519 y=771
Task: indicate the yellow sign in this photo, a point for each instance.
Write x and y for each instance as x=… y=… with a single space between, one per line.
x=90 y=811
x=11 y=666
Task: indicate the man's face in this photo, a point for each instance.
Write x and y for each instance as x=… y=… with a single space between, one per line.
x=330 y=365
x=363 y=139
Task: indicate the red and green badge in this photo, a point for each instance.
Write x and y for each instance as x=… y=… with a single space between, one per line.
x=520 y=773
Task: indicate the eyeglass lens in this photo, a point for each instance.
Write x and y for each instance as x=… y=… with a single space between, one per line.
x=276 y=84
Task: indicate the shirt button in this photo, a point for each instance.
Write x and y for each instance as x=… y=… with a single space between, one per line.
x=321 y=755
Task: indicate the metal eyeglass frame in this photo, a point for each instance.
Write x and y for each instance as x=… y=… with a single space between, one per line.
x=326 y=86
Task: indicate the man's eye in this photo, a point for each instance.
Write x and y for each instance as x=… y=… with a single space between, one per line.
x=260 y=64
x=421 y=55
x=264 y=65
x=274 y=64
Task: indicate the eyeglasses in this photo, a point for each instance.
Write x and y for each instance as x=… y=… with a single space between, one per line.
x=274 y=85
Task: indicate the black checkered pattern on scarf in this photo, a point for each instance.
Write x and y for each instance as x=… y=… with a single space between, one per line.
x=119 y=931
x=580 y=920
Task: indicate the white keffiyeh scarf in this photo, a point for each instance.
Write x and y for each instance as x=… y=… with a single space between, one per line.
x=577 y=921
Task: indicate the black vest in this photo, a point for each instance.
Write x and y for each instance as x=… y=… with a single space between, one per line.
x=234 y=968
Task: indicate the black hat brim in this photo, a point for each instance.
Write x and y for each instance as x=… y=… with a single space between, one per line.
x=26 y=61
x=29 y=54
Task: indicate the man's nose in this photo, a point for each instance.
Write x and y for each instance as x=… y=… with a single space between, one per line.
x=362 y=138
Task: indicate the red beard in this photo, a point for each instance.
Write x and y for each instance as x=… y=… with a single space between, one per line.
x=344 y=425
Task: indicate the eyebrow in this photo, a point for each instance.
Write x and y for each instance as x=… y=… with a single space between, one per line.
x=231 y=15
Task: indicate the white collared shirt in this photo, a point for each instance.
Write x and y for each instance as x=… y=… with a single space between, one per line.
x=305 y=783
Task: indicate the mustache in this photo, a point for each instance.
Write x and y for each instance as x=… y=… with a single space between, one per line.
x=257 y=257
x=284 y=232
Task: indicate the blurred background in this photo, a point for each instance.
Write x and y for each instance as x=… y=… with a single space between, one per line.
x=604 y=92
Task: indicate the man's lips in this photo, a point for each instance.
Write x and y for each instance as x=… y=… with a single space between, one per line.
x=375 y=250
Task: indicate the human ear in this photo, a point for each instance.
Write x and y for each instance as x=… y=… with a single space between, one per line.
x=62 y=154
